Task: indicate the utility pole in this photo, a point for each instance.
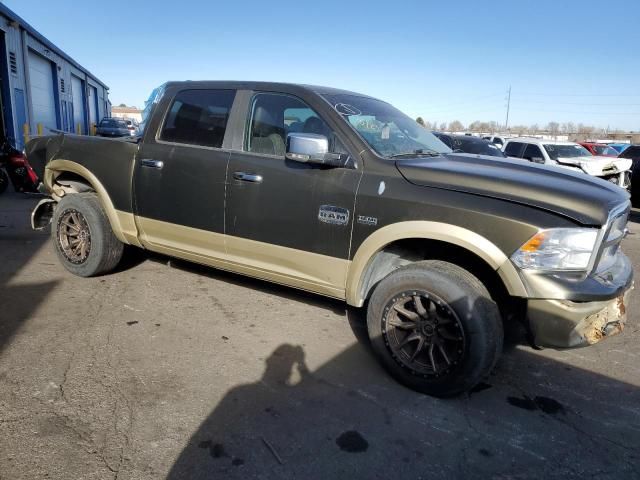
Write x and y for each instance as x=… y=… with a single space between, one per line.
x=506 y=122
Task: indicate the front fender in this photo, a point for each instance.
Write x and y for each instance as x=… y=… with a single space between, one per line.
x=427 y=230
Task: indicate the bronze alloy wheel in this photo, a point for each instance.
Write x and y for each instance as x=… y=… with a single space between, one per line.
x=74 y=236
x=423 y=333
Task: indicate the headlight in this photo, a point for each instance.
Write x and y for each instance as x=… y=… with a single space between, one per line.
x=557 y=249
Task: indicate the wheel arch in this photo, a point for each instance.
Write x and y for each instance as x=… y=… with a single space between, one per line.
x=401 y=243
x=77 y=176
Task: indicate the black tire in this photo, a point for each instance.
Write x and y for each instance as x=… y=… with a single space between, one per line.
x=4 y=181
x=454 y=326
x=80 y=217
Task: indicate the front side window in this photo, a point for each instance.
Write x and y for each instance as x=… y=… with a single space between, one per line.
x=513 y=149
x=198 y=117
x=275 y=115
x=388 y=131
x=532 y=151
x=566 y=151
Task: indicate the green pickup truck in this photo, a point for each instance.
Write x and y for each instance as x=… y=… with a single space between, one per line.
x=341 y=194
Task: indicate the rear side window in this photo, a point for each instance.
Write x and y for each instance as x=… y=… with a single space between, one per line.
x=198 y=117
x=532 y=151
x=514 y=149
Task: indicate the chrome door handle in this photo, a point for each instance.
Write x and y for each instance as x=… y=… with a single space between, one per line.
x=147 y=162
x=247 y=177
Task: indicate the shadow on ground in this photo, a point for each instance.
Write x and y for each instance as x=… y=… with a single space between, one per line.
x=18 y=301
x=534 y=418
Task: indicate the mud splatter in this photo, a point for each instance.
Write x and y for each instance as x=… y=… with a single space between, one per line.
x=132 y=322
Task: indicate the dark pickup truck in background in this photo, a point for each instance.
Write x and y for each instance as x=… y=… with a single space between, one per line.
x=343 y=195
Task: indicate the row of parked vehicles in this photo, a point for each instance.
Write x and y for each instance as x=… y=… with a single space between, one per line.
x=613 y=163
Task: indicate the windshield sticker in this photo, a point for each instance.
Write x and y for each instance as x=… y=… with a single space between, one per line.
x=346 y=109
x=386 y=130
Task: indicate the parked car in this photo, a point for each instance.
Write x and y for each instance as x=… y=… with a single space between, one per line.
x=359 y=203
x=113 y=127
x=572 y=156
x=600 y=149
x=132 y=126
x=633 y=153
x=467 y=144
x=620 y=147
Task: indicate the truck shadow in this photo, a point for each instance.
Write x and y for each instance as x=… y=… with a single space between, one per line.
x=535 y=417
x=18 y=245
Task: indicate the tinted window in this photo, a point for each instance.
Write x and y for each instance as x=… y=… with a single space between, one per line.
x=111 y=123
x=513 y=149
x=198 y=117
x=274 y=116
x=475 y=146
x=605 y=150
x=532 y=151
x=631 y=152
x=446 y=139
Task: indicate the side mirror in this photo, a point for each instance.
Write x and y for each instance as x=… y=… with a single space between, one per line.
x=312 y=148
x=537 y=159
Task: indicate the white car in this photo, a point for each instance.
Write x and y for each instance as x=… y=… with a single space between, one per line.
x=572 y=156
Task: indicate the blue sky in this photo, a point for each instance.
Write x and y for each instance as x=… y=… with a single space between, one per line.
x=566 y=61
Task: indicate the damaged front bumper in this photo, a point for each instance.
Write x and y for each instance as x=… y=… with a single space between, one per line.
x=566 y=324
x=578 y=314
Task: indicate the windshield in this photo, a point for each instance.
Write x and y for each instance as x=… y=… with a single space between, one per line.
x=478 y=147
x=387 y=130
x=566 y=151
x=605 y=150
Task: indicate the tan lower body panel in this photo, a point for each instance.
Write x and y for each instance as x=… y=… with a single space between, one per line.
x=288 y=266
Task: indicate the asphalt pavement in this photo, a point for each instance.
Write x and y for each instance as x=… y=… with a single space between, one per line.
x=166 y=369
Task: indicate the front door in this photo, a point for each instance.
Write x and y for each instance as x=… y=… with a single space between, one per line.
x=180 y=175
x=286 y=221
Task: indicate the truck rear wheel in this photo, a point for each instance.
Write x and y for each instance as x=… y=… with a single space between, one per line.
x=82 y=235
x=434 y=328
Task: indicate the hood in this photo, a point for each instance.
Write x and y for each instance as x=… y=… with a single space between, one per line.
x=598 y=165
x=585 y=199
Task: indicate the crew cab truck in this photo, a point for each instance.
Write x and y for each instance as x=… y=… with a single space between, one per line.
x=343 y=195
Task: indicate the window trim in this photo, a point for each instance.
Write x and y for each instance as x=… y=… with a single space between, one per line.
x=167 y=110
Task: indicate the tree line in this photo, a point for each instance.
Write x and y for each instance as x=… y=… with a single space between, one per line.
x=551 y=128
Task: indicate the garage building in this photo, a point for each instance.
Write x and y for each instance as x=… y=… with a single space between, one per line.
x=42 y=86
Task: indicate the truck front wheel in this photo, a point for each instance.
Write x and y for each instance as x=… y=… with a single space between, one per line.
x=434 y=328
x=82 y=235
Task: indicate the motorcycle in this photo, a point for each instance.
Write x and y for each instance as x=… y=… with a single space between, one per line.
x=15 y=169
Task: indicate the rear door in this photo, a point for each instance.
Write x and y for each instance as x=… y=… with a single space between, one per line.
x=287 y=221
x=180 y=173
